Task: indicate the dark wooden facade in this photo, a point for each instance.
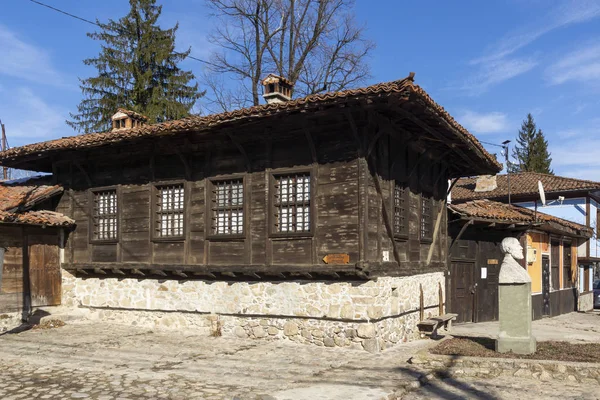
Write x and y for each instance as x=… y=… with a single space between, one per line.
x=31 y=274
x=351 y=201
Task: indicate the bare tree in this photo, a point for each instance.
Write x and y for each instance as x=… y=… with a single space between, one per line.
x=316 y=44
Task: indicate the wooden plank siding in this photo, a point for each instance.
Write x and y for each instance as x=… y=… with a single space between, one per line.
x=351 y=203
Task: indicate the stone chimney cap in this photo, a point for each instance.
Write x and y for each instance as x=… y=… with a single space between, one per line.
x=272 y=78
x=129 y=113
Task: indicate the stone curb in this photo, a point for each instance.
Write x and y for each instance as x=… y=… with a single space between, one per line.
x=485 y=367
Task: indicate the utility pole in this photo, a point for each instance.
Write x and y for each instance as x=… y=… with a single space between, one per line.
x=505 y=146
x=4 y=147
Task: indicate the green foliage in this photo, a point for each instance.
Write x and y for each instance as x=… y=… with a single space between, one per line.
x=137 y=69
x=531 y=151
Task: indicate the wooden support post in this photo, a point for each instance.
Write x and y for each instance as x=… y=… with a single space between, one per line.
x=460 y=233
x=137 y=272
x=179 y=273
x=99 y=271
x=209 y=274
x=421 y=303
x=435 y=232
x=440 y=299
x=157 y=272
x=118 y=271
x=230 y=274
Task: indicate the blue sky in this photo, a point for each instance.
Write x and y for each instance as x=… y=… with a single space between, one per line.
x=488 y=63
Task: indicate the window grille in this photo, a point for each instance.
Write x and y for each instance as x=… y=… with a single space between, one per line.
x=292 y=203
x=105 y=215
x=400 y=209
x=228 y=207
x=169 y=211
x=426 y=218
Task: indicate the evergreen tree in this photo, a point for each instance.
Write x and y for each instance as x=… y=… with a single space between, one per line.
x=531 y=151
x=137 y=70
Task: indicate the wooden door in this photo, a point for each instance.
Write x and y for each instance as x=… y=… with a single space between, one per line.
x=44 y=270
x=462 y=290
x=489 y=259
x=545 y=285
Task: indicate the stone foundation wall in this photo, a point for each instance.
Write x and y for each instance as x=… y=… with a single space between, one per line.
x=370 y=315
x=585 y=302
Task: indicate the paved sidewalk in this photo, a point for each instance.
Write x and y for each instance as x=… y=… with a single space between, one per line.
x=100 y=361
x=106 y=362
x=573 y=327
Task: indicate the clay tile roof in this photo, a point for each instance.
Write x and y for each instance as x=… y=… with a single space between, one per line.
x=403 y=88
x=133 y=114
x=42 y=218
x=493 y=211
x=521 y=184
x=24 y=194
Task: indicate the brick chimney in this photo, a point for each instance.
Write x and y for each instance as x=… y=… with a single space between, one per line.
x=486 y=183
x=127 y=119
x=277 y=89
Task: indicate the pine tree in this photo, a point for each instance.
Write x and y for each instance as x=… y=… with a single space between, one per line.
x=531 y=151
x=138 y=70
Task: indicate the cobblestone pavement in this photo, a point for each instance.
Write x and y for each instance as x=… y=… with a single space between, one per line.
x=99 y=361
x=102 y=361
x=503 y=388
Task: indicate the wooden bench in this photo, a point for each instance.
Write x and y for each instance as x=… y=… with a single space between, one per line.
x=431 y=325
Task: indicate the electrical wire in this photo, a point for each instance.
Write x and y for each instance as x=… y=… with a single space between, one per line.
x=95 y=23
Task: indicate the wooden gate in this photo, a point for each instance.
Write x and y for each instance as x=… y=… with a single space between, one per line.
x=462 y=290
x=44 y=270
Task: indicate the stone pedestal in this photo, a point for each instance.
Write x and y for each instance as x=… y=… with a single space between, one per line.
x=515 y=319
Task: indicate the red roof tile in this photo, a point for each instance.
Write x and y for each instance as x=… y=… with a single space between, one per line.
x=24 y=194
x=41 y=218
x=521 y=184
x=494 y=211
x=404 y=88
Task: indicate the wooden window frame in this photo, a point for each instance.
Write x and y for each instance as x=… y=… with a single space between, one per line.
x=567 y=283
x=429 y=198
x=92 y=207
x=210 y=196
x=404 y=185
x=154 y=192
x=553 y=266
x=272 y=220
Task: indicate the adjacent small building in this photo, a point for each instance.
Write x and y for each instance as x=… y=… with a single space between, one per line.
x=570 y=199
x=550 y=244
x=31 y=238
x=321 y=220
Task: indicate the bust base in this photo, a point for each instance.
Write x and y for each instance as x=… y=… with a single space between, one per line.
x=525 y=345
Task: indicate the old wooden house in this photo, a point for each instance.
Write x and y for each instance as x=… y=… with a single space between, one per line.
x=290 y=219
x=30 y=242
x=550 y=244
x=571 y=199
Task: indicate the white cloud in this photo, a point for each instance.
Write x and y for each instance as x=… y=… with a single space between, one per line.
x=497 y=64
x=484 y=122
x=581 y=65
x=28 y=117
x=496 y=71
x=26 y=61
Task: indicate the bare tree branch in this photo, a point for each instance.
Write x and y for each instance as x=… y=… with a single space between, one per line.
x=316 y=44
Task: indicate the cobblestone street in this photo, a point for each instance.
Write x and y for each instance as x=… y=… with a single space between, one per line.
x=100 y=361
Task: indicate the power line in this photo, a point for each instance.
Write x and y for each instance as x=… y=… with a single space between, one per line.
x=96 y=24
x=64 y=12
x=492 y=144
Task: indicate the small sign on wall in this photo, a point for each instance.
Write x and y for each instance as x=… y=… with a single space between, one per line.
x=336 y=259
x=483 y=273
x=492 y=261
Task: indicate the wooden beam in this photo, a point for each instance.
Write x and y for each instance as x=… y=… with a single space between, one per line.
x=186 y=164
x=435 y=232
x=99 y=271
x=460 y=233
x=117 y=271
x=157 y=272
x=179 y=273
x=230 y=274
x=210 y=275
x=84 y=172
x=409 y=116
x=137 y=272
x=241 y=150
x=311 y=145
x=354 y=130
